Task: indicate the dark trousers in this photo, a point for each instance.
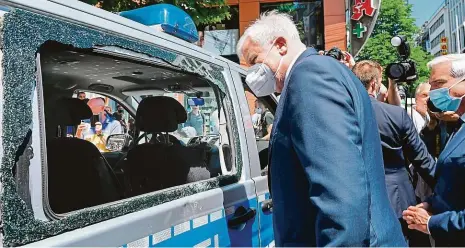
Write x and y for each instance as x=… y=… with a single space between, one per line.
x=414 y=238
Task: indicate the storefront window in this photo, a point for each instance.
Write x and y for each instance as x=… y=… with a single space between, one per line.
x=308 y=16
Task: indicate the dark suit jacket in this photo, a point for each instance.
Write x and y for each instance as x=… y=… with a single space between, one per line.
x=327 y=177
x=447 y=225
x=399 y=137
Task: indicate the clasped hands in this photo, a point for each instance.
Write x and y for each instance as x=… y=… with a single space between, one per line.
x=417 y=217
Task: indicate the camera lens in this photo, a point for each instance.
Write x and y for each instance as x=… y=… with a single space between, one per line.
x=396 y=71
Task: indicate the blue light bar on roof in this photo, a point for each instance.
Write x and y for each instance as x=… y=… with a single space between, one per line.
x=172 y=20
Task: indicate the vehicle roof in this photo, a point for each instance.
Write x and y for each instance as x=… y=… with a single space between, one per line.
x=88 y=15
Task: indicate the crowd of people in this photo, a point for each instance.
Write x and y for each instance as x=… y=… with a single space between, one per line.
x=349 y=166
x=104 y=123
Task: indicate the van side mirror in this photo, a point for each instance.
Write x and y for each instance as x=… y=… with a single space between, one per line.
x=118 y=142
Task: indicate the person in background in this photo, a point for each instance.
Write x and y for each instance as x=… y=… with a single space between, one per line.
x=443 y=215
x=420 y=115
x=131 y=127
x=399 y=138
x=256 y=116
x=108 y=110
x=262 y=121
x=325 y=171
x=81 y=95
x=196 y=120
x=119 y=116
x=201 y=40
x=422 y=120
x=109 y=124
x=98 y=139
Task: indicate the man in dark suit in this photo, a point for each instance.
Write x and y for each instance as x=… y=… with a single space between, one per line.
x=326 y=169
x=399 y=137
x=443 y=215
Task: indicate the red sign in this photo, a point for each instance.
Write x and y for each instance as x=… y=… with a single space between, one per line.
x=444 y=40
x=443 y=47
x=362 y=7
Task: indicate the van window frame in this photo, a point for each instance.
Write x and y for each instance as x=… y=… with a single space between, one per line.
x=233 y=144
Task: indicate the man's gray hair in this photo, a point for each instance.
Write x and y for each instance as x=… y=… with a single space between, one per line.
x=457 y=60
x=268 y=27
x=420 y=88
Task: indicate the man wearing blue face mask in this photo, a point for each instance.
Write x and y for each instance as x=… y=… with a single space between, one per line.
x=443 y=215
x=325 y=164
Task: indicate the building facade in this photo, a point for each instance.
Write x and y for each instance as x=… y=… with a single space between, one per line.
x=439 y=28
x=456 y=12
x=435 y=35
x=321 y=23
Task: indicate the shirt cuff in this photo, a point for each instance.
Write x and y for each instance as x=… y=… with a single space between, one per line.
x=427 y=225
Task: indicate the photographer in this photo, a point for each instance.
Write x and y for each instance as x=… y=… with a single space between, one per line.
x=398 y=137
x=343 y=56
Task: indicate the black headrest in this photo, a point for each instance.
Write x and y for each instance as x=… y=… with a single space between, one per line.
x=160 y=114
x=70 y=111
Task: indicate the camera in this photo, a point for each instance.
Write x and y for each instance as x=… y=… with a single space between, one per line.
x=334 y=53
x=405 y=70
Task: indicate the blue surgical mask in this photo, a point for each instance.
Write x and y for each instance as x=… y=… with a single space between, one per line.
x=443 y=101
x=260 y=78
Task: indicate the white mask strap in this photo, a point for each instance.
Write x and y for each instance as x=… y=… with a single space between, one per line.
x=461 y=80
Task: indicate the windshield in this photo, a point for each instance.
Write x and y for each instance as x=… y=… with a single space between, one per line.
x=200 y=118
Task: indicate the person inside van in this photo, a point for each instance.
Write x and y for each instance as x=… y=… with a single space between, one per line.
x=109 y=124
x=98 y=139
x=196 y=120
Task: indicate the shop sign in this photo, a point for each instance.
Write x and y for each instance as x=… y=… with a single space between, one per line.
x=443 y=45
x=363 y=15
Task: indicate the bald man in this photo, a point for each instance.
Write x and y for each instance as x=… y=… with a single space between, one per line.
x=109 y=124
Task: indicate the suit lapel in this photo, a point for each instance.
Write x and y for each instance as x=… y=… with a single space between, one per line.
x=454 y=141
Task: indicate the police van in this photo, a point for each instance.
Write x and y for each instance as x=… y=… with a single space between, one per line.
x=71 y=175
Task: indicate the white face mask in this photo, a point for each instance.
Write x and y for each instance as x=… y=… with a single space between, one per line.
x=260 y=78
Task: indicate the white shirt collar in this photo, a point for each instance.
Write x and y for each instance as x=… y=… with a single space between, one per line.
x=286 y=79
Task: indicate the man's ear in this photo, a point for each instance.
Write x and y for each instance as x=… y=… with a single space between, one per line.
x=282 y=45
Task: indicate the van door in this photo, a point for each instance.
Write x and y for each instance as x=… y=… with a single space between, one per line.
x=219 y=211
x=256 y=126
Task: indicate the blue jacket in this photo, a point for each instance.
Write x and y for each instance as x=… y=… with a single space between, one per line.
x=326 y=167
x=398 y=138
x=447 y=225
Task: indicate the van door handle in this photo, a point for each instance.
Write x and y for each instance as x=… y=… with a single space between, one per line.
x=267 y=206
x=241 y=216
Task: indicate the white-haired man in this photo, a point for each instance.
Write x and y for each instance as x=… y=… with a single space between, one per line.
x=326 y=168
x=443 y=215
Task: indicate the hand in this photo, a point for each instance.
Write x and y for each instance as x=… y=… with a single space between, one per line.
x=417 y=218
x=348 y=60
x=433 y=122
x=424 y=205
x=447 y=116
x=83 y=127
x=392 y=82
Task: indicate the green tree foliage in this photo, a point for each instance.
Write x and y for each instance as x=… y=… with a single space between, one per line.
x=395 y=18
x=203 y=12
